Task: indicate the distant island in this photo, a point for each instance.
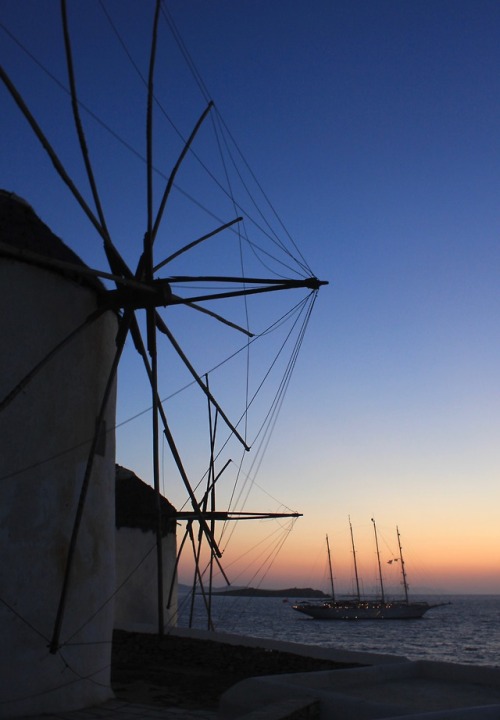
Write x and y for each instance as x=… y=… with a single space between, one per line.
x=258 y=592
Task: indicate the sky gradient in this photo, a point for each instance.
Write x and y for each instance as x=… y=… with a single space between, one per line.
x=373 y=127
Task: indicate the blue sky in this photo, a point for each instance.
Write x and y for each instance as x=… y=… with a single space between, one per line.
x=373 y=127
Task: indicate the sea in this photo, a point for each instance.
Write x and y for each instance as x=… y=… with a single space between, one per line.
x=465 y=630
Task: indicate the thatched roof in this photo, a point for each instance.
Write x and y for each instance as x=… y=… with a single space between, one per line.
x=136 y=505
x=27 y=239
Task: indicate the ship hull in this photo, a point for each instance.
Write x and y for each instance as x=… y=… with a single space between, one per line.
x=363 y=610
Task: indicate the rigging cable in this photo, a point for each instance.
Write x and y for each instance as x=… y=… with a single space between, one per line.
x=204 y=91
x=242 y=268
x=270 y=420
x=305 y=267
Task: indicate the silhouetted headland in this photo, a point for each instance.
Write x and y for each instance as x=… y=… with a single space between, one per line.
x=285 y=593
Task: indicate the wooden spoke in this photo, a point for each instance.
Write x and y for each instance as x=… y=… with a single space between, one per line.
x=193 y=244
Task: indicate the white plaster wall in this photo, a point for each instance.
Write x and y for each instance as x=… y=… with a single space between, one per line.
x=136 y=602
x=44 y=443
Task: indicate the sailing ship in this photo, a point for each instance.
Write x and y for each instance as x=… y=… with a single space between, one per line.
x=358 y=608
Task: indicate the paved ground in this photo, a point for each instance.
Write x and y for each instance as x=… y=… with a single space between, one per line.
x=119 y=710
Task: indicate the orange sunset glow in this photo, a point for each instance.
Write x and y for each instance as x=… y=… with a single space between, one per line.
x=440 y=563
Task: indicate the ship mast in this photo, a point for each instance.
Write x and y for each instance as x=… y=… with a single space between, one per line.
x=403 y=572
x=378 y=560
x=330 y=568
x=355 y=561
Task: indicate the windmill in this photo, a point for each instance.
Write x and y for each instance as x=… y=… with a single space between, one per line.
x=140 y=295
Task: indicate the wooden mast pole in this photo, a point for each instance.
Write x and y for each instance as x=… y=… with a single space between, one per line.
x=330 y=568
x=403 y=571
x=379 y=565
x=355 y=561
